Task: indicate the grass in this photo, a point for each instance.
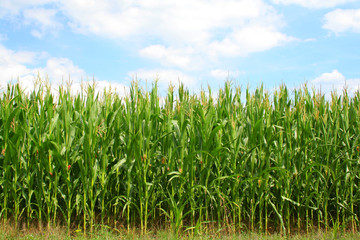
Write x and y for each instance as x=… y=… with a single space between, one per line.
x=9 y=232
x=60 y=233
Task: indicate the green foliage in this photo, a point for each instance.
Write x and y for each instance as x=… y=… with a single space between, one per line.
x=272 y=163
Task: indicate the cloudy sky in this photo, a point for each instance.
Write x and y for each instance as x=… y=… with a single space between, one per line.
x=200 y=42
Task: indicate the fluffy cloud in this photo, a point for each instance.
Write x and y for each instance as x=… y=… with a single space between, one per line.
x=313 y=3
x=179 y=57
x=100 y=87
x=341 y=20
x=40 y=14
x=247 y=40
x=164 y=77
x=14 y=67
x=223 y=74
x=176 y=21
x=62 y=69
x=335 y=81
x=187 y=32
x=188 y=28
x=43 y=19
x=118 y=88
x=13 y=7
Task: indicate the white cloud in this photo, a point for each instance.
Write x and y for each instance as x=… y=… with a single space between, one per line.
x=330 y=78
x=335 y=81
x=341 y=20
x=61 y=69
x=314 y=3
x=247 y=40
x=184 y=30
x=183 y=21
x=44 y=19
x=164 y=77
x=223 y=74
x=13 y=7
x=117 y=88
x=100 y=86
x=187 y=33
x=113 y=19
x=14 y=67
x=180 y=57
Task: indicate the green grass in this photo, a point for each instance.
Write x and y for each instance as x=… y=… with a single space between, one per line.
x=284 y=162
x=60 y=233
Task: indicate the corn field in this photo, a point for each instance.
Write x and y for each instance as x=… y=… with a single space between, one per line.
x=258 y=161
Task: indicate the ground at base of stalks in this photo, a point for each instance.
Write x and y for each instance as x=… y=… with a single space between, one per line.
x=7 y=231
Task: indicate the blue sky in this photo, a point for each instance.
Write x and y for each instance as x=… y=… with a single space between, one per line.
x=200 y=42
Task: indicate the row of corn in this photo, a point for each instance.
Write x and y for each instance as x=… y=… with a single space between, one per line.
x=244 y=160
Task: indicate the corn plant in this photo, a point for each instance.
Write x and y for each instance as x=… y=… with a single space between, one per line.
x=259 y=161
